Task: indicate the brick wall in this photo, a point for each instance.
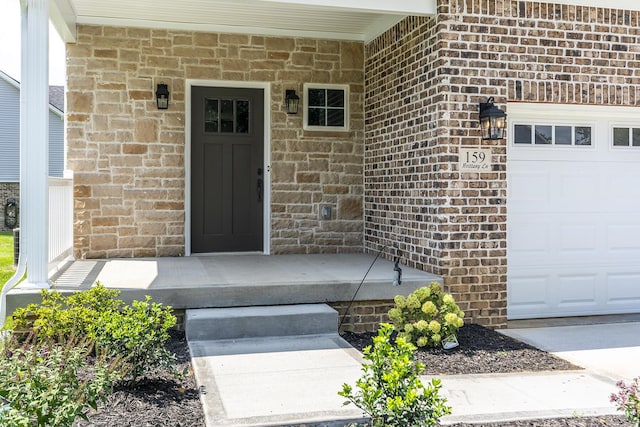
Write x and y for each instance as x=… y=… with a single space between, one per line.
x=363 y=316
x=8 y=190
x=424 y=80
x=128 y=157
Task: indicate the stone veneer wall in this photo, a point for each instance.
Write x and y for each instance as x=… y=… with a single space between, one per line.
x=128 y=157
x=424 y=80
x=8 y=190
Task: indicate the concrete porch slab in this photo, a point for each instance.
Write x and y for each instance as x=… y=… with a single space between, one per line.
x=237 y=280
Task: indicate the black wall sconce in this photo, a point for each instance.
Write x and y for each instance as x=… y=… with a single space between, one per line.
x=493 y=121
x=11 y=214
x=291 y=101
x=162 y=96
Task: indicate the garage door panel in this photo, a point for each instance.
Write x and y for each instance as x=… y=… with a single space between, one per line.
x=624 y=288
x=529 y=239
x=623 y=187
x=556 y=190
x=575 y=190
x=573 y=224
x=528 y=291
x=623 y=240
x=577 y=289
x=535 y=292
x=578 y=239
x=528 y=187
x=532 y=243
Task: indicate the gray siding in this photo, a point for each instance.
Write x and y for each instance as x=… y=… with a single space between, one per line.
x=56 y=145
x=9 y=132
x=10 y=136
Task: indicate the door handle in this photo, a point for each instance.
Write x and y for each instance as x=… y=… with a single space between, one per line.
x=259 y=190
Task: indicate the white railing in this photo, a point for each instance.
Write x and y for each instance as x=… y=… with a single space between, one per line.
x=60 y=220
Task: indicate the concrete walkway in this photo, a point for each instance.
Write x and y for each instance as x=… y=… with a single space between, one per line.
x=295 y=380
x=276 y=381
x=608 y=352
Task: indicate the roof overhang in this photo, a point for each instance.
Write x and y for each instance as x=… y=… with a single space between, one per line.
x=63 y=18
x=331 y=19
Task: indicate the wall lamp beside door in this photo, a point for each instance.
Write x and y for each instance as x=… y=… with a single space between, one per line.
x=162 y=96
x=291 y=101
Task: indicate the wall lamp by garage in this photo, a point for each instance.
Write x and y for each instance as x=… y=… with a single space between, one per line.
x=493 y=121
x=162 y=96
x=291 y=101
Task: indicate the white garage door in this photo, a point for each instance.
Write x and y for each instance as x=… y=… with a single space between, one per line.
x=573 y=227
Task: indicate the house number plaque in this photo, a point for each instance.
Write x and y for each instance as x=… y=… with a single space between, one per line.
x=475 y=160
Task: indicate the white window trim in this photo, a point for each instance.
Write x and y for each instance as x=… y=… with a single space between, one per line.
x=553 y=124
x=627 y=125
x=305 y=107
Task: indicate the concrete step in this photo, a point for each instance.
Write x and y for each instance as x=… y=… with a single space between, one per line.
x=260 y=321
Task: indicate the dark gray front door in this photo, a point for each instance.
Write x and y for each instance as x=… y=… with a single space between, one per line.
x=227 y=177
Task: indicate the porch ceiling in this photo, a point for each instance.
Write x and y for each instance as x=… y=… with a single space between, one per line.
x=335 y=19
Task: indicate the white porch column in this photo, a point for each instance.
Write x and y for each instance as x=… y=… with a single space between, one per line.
x=34 y=140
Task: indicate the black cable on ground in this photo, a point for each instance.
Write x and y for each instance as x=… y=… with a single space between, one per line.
x=344 y=316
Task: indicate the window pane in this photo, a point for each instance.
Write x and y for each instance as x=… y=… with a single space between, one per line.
x=335 y=98
x=543 y=135
x=635 y=137
x=316 y=117
x=210 y=115
x=563 y=135
x=583 y=135
x=522 y=134
x=316 y=98
x=620 y=137
x=335 y=117
x=226 y=115
x=242 y=116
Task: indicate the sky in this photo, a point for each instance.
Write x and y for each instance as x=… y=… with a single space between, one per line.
x=10 y=45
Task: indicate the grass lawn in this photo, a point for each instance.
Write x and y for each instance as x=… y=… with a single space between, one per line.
x=6 y=257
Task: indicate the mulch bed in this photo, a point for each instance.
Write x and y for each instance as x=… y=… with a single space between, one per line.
x=603 y=421
x=161 y=400
x=165 y=401
x=481 y=351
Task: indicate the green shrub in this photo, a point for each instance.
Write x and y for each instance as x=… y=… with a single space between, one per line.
x=137 y=332
x=62 y=316
x=390 y=390
x=427 y=316
x=47 y=383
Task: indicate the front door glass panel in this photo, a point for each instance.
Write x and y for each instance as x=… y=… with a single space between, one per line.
x=226 y=116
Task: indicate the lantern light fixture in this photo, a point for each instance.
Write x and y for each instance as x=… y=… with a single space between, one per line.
x=291 y=101
x=493 y=121
x=162 y=96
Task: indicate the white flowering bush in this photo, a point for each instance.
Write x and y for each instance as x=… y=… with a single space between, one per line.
x=427 y=316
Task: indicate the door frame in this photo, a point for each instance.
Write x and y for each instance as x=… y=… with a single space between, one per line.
x=266 y=87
